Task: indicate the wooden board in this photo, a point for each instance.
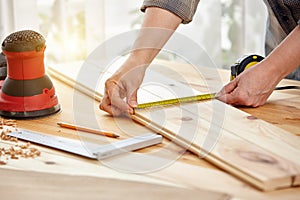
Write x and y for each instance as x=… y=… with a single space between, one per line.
x=59 y=175
x=282 y=108
x=251 y=149
x=186 y=171
x=265 y=169
x=287 y=102
x=181 y=173
x=17 y=184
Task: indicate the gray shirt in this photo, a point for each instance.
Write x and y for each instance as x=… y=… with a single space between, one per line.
x=284 y=15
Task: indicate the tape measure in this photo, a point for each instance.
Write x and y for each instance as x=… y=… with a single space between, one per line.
x=188 y=99
x=241 y=65
x=248 y=61
x=244 y=63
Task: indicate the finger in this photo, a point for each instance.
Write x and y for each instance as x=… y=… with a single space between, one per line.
x=239 y=97
x=260 y=100
x=106 y=106
x=223 y=95
x=229 y=99
x=115 y=102
x=118 y=103
x=115 y=107
x=113 y=110
x=230 y=87
x=233 y=94
x=132 y=101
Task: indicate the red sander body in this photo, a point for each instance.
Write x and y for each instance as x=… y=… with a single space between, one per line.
x=27 y=91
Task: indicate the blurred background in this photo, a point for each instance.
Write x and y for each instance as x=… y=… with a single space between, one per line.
x=226 y=29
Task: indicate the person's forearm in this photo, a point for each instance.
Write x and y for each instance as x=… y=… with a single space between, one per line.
x=157 y=28
x=286 y=57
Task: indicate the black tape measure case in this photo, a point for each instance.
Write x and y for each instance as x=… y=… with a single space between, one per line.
x=244 y=63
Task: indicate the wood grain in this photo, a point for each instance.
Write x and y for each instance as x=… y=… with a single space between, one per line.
x=246 y=140
x=17 y=184
x=188 y=170
x=264 y=169
x=281 y=109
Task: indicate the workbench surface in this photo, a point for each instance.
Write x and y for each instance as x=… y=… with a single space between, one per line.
x=60 y=175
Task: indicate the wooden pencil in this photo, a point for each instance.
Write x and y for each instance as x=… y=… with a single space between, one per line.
x=89 y=130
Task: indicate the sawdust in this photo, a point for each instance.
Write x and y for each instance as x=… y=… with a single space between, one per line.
x=16 y=150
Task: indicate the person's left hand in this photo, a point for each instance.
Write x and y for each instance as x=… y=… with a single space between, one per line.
x=251 y=88
x=120 y=96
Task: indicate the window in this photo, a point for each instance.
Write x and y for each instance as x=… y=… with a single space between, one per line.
x=226 y=29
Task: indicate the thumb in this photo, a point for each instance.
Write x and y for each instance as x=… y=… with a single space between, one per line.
x=227 y=89
x=132 y=99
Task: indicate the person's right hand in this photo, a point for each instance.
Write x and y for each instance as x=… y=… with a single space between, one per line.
x=252 y=87
x=120 y=95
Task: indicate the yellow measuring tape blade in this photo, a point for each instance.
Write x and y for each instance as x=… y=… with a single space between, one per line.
x=188 y=99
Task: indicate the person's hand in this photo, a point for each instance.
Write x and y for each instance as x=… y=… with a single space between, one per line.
x=120 y=95
x=123 y=85
x=251 y=88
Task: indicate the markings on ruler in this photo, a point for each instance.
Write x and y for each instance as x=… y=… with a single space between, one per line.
x=188 y=99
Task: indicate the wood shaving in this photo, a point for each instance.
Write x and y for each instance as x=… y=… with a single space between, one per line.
x=17 y=150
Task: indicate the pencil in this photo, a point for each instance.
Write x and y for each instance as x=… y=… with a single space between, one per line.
x=89 y=130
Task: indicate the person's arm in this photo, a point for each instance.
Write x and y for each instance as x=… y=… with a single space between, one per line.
x=157 y=28
x=255 y=85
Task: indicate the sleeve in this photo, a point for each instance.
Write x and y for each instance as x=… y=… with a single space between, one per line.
x=298 y=22
x=185 y=9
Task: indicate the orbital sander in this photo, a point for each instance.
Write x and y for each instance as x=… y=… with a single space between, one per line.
x=26 y=91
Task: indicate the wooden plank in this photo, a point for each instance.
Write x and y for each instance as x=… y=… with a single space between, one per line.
x=250 y=162
x=287 y=102
x=17 y=184
x=250 y=128
x=188 y=170
x=255 y=131
x=249 y=139
x=181 y=174
x=235 y=124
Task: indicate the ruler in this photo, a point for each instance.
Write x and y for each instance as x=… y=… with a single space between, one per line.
x=86 y=149
x=187 y=99
x=127 y=145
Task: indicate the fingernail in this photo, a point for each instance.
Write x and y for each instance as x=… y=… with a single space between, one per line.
x=131 y=111
x=133 y=104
